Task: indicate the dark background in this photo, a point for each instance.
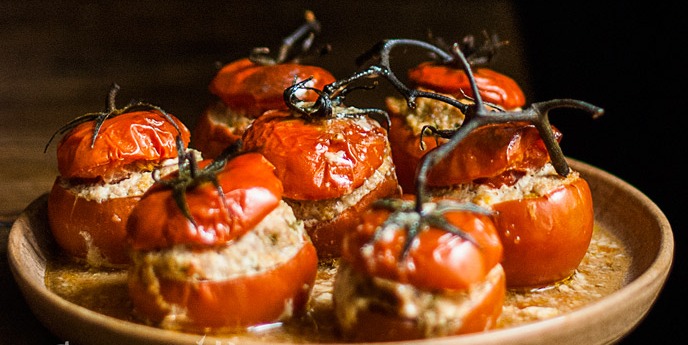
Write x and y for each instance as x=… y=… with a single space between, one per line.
x=57 y=61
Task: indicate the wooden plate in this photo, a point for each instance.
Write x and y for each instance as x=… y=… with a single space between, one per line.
x=619 y=207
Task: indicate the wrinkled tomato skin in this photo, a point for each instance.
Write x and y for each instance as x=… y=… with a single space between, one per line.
x=251 y=191
x=321 y=158
x=490 y=151
x=234 y=303
x=545 y=238
x=494 y=87
x=256 y=88
x=436 y=259
x=144 y=138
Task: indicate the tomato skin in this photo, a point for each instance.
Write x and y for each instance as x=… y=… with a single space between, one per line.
x=436 y=259
x=486 y=154
x=71 y=216
x=494 y=87
x=489 y=152
x=318 y=159
x=251 y=191
x=380 y=320
x=327 y=236
x=145 y=138
x=212 y=135
x=234 y=303
x=545 y=238
x=256 y=88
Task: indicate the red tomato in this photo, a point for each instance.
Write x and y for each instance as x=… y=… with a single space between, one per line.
x=545 y=238
x=436 y=259
x=140 y=139
x=246 y=90
x=320 y=158
x=234 y=303
x=494 y=87
x=490 y=154
x=133 y=142
x=253 y=88
x=251 y=191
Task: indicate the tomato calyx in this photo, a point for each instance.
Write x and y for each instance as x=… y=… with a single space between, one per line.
x=303 y=38
x=405 y=215
x=478 y=114
x=110 y=111
x=476 y=55
x=330 y=102
x=190 y=175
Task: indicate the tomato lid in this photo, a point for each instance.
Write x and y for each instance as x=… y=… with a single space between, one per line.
x=436 y=258
x=494 y=87
x=255 y=88
x=143 y=138
x=321 y=158
x=250 y=191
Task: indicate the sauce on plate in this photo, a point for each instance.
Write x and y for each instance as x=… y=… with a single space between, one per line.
x=602 y=271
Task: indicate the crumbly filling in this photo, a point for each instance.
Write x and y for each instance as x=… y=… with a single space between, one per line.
x=134 y=185
x=235 y=119
x=534 y=183
x=437 y=313
x=313 y=211
x=428 y=112
x=275 y=240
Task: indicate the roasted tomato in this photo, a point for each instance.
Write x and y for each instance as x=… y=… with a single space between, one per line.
x=221 y=251
x=496 y=155
x=393 y=277
x=405 y=133
x=248 y=87
x=545 y=237
x=545 y=220
x=494 y=87
x=103 y=174
x=331 y=168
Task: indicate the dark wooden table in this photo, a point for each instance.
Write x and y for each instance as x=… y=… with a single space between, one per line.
x=57 y=61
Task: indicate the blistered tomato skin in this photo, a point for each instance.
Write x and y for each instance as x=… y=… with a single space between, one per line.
x=321 y=158
x=436 y=259
x=545 y=238
x=143 y=137
x=494 y=87
x=251 y=191
x=256 y=88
